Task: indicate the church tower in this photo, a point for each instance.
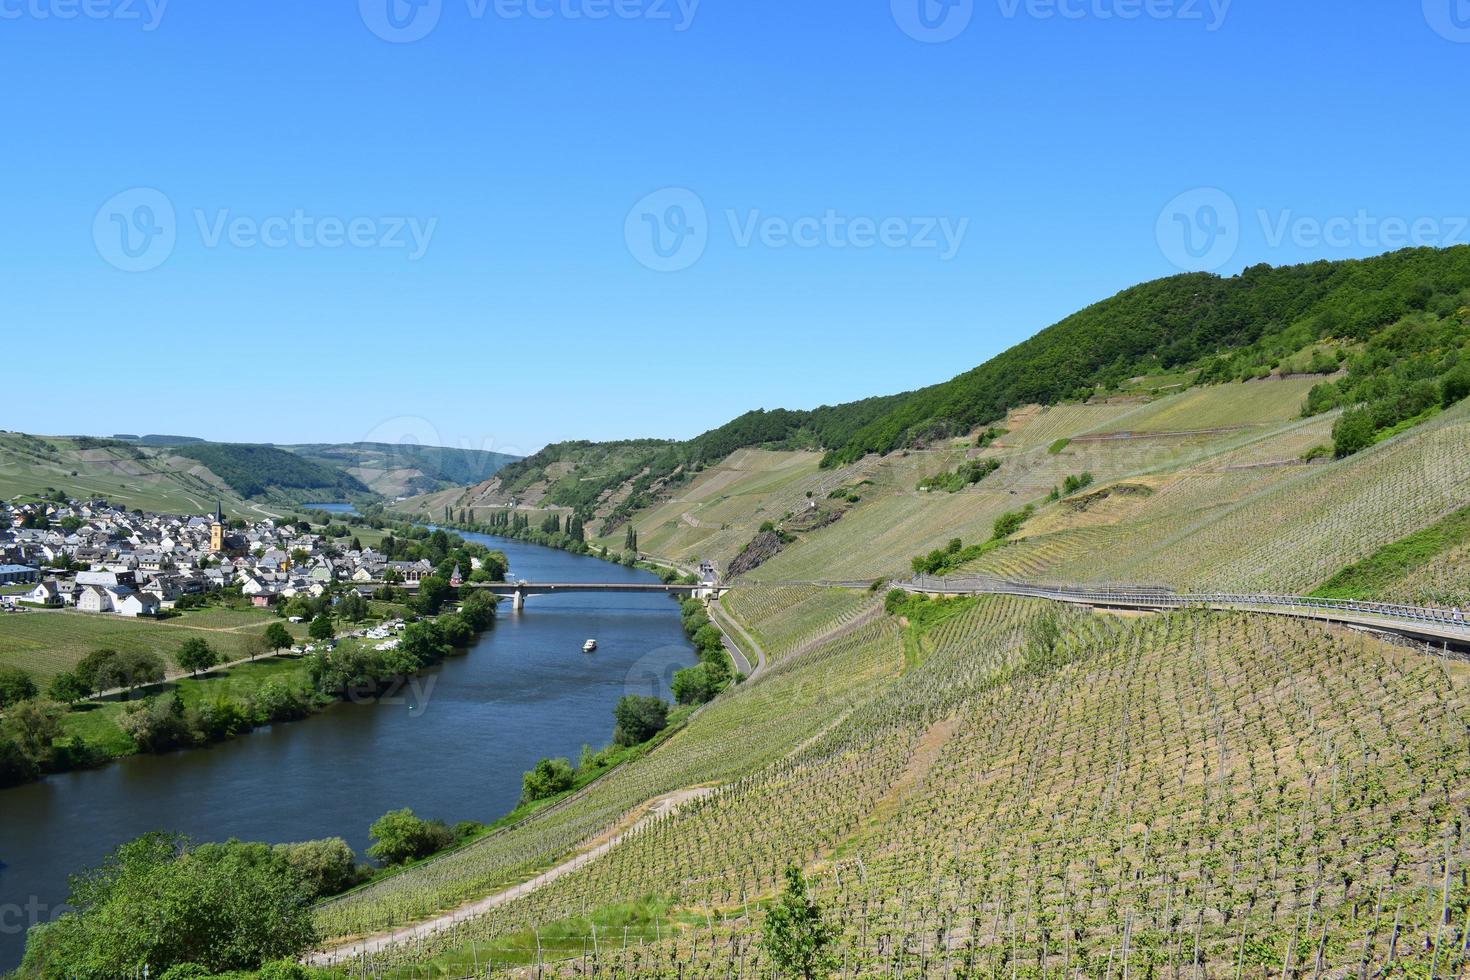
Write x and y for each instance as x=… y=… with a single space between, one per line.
x=217 y=530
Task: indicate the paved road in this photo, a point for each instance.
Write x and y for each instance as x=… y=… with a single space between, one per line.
x=1416 y=622
x=726 y=623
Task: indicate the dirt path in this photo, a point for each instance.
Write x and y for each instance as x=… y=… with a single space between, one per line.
x=598 y=846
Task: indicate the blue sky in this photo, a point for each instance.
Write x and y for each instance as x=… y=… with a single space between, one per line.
x=814 y=155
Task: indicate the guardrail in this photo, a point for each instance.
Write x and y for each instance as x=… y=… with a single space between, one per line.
x=1451 y=621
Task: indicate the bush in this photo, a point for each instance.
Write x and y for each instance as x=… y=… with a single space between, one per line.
x=155 y=724
x=550 y=777
x=1353 y=432
x=639 y=718
x=223 y=906
x=326 y=867
x=15 y=686
x=1456 y=386
x=697 y=685
x=400 y=836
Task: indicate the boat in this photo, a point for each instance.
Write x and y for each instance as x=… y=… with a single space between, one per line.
x=589 y=646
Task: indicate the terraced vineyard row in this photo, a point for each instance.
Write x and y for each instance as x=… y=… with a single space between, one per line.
x=1056 y=792
x=786 y=619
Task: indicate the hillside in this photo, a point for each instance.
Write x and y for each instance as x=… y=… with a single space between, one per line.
x=1384 y=333
x=175 y=474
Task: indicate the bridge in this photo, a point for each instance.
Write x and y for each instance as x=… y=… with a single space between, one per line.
x=1447 y=627
x=517 y=592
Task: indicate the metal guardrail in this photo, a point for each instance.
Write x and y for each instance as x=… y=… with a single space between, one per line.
x=1158 y=597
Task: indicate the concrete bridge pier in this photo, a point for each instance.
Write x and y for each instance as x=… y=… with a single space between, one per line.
x=518 y=601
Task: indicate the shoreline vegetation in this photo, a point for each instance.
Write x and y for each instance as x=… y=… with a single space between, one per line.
x=74 y=725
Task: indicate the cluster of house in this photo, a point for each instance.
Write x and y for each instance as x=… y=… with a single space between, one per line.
x=138 y=564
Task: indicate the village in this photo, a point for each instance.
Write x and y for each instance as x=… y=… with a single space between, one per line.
x=97 y=558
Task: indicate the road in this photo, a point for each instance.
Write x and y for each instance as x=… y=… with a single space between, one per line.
x=1416 y=622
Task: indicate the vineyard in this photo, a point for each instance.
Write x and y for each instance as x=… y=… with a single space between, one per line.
x=1047 y=792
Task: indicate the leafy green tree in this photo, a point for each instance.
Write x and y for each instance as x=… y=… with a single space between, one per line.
x=322 y=628
x=163 y=901
x=1353 y=432
x=67 y=688
x=639 y=718
x=550 y=777
x=326 y=867
x=156 y=724
x=277 y=637
x=1456 y=386
x=35 y=726
x=353 y=607
x=695 y=685
x=196 y=655
x=798 y=942
x=400 y=836
x=432 y=594
x=90 y=666
x=15 y=686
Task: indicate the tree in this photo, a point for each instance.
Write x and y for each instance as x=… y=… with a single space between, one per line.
x=550 y=777
x=639 y=718
x=277 y=637
x=353 y=607
x=67 y=688
x=155 y=724
x=1353 y=432
x=15 y=686
x=695 y=685
x=1456 y=386
x=163 y=901
x=195 y=655
x=797 y=940
x=91 y=667
x=400 y=836
x=321 y=628
x=433 y=593
x=35 y=726
x=326 y=867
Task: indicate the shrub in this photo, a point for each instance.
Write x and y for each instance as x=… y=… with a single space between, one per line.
x=15 y=686
x=326 y=867
x=1456 y=386
x=400 y=836
x=550 y=777
x=639 y=718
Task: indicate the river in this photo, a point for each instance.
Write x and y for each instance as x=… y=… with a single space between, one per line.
x=524 y=691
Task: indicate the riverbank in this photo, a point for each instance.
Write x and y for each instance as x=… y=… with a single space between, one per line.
x=455 y=748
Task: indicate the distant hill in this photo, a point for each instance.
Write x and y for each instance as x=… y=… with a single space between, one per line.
x=157 y=440
x=259 y=471
x=395 y=470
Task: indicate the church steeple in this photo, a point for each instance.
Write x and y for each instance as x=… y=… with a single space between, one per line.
x=217 y=529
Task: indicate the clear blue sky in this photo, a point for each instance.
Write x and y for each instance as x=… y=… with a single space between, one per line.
x=519 y=147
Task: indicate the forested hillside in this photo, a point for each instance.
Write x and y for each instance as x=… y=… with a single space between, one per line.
x=1396 y=324
x=254 y=471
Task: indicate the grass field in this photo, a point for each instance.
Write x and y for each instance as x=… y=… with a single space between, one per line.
x=45 y=643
